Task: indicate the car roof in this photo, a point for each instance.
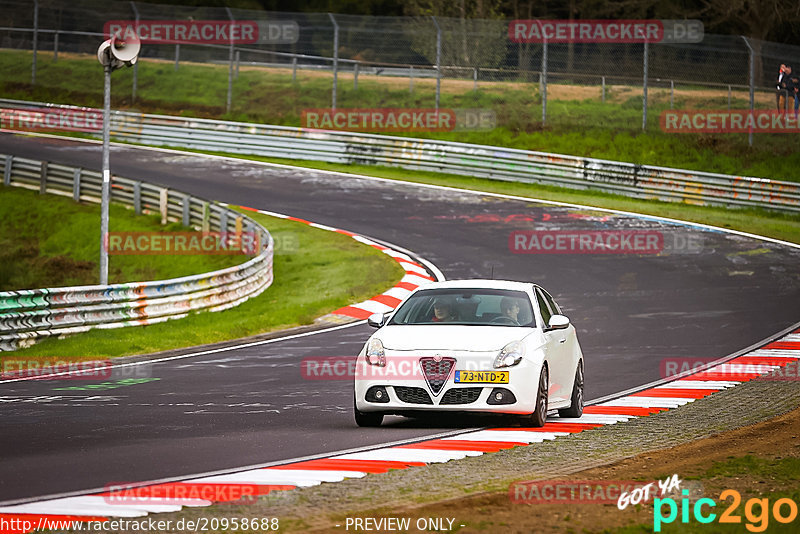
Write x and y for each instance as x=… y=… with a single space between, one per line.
x=479 y=284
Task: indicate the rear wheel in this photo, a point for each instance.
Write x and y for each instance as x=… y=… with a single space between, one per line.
x=539 y=416
x=366 y=418
x=576 y=408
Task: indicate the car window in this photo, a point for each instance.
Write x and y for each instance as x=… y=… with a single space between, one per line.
x=555 y=308
x=544 y=308
x=479 y=306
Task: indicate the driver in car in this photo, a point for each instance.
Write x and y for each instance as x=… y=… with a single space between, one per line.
x=509 y=307
x=443 y=310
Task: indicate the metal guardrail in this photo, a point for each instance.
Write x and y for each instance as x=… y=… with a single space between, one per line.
x=497 y=163
x=30 y=314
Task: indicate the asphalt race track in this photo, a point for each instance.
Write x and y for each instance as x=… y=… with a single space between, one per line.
x=707 y=294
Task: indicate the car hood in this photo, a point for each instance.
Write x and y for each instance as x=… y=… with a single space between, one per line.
x=450 y=338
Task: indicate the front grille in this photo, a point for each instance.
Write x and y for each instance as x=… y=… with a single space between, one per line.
x=412 y=395
x=461 y=395
x=436 y=372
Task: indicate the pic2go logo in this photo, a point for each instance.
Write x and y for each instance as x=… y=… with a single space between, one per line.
x=756 y=511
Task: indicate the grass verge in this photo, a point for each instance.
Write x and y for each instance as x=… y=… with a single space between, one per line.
x=316 y=271
x=578 y=122
x=55 y=242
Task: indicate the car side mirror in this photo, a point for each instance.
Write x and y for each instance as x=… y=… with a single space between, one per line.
x=558 y=322
x=376 y=320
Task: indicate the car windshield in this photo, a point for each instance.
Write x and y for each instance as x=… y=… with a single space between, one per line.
x=481 y=307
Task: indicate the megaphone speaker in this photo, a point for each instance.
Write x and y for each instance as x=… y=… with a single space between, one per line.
x=125 y=50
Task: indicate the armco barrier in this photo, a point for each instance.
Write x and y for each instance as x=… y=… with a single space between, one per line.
x=30 y=314
x=482 y=161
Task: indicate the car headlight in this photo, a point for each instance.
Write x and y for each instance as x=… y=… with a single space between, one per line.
x=510 y=355
x=375 y=353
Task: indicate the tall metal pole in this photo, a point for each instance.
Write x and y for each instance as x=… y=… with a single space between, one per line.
x=335 y=59
x=230 y=65
x=544 y=83
x=136 y=65
x=35 y=39
x=438 y=60
x=752 y=84
x=106 y=176
x=644 y=87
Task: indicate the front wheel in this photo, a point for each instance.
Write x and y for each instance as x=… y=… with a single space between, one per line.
x=576 y=408
x=367 y=418
x=539 y=416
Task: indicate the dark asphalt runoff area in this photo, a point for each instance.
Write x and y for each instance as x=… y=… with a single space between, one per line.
x=705 y=295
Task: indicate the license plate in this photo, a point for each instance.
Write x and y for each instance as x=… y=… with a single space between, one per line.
x=481 y=377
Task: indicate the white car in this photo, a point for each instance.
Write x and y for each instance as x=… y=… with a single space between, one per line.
x=471 y=346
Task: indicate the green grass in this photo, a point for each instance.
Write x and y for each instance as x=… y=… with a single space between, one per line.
x=316 y=272
x=582 y=127
x=52 y=241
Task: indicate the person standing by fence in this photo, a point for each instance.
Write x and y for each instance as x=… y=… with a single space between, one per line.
x=780 y=88
x=793 y=89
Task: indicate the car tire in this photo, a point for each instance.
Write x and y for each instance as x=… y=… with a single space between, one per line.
x=367 y=418
x=576 y=408
x=539 y=416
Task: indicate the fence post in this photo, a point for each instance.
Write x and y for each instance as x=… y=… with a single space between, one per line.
x=186 y=210
x=671 y=93
x=335 y=58
x=55 y=47
x=294 y=69
x=206 y=217
x=7 y=170
x=137 y=198
x=35 y=39
x=163 y=199
x=43 y=178
x=752 y=84
x=230 y=65
x=177 y=55
x=223 y=221
x=411 y=78
x=355 y=77
x=729 y=97
x=603 y=94
x=237 y=65
x=644 y=86
x=543 y=82
x=438 y=60
x=475 y=79
x=135 y=65
x=76 y=185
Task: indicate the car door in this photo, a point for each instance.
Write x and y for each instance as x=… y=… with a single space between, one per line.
x=559 y=349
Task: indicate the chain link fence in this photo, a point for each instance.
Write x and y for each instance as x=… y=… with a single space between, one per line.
x=427 y=62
